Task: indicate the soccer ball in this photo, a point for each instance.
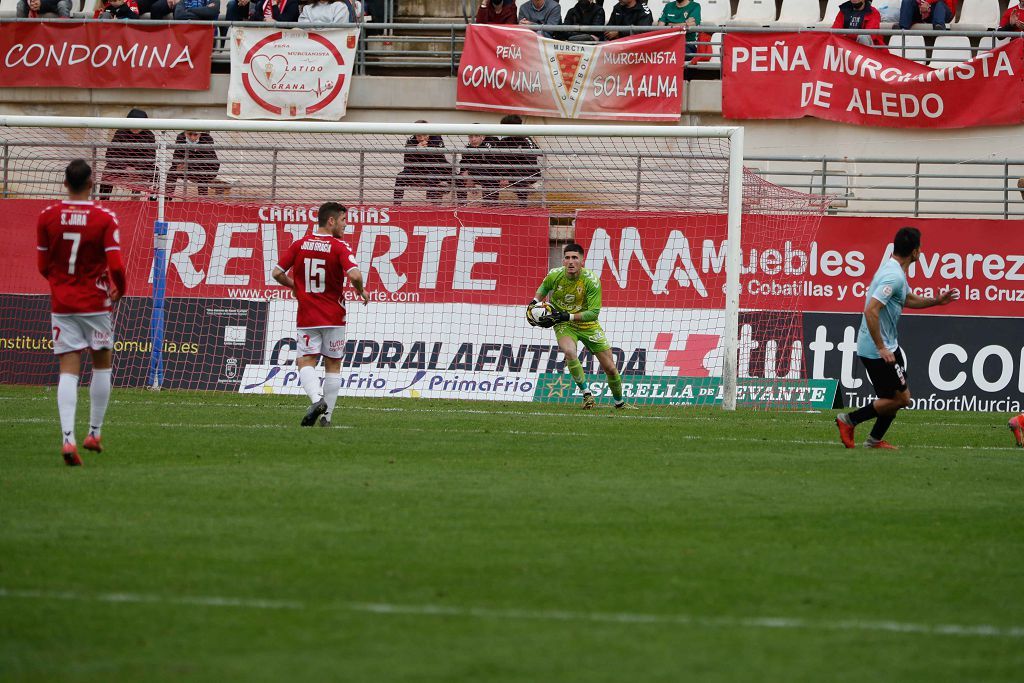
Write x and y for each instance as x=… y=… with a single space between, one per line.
x=534 y=313
x=1016 y=426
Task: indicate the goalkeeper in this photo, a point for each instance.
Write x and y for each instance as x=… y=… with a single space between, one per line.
x=574 y=294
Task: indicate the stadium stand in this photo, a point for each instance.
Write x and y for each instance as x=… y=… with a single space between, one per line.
x=950 y=50
x=831 y=10
x=799 y=13
x=909 y=47
x=753 y=13
x=8 y=8
x=715 y=12
x=978 y=15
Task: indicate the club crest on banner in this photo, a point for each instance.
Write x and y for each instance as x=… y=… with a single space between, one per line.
x=290 y=74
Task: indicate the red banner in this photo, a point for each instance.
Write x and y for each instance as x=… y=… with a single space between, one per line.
x=791 y=75
x=648 y=259
x=64 y=54
x=409 y=255
x=512 y=69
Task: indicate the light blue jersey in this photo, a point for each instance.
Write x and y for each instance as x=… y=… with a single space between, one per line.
x=889 y=286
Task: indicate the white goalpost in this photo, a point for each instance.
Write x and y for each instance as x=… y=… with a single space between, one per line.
x=454 y=226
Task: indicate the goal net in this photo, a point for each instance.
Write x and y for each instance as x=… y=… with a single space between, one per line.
x=454 y=227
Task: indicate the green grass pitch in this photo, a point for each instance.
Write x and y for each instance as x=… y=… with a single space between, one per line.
x=215 y=540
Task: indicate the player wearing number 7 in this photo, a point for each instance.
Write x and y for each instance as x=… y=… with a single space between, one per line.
x=574 y=294
x=77 y=242
x=319 y=263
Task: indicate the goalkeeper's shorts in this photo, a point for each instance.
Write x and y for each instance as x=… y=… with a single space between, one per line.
x=592 y=337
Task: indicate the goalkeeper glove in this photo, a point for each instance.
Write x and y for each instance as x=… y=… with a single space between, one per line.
x=529 y=315
x=554 y=318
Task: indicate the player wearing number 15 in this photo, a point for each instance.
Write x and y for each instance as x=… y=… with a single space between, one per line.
x=319 y=264
x=77 y=244
x=574 y=294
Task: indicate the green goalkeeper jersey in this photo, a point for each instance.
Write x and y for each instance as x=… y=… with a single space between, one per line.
x=580 y=295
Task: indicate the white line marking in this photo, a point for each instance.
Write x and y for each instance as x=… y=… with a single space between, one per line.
x=181 y=425
x=495 y=614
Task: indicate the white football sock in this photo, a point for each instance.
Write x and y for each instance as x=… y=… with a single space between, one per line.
x=67 y=401
x=310 y=383
x=332 y=383
x=99 y=397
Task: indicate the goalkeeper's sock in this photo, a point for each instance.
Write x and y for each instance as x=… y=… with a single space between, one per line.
x=615 y=384
x=310 y=384
x=99 y=398
x=332 y=384
x=864 y=414
x=67 y=401
x=881 y=425
x=576 y=370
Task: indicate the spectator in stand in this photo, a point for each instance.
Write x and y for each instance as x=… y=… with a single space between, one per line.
x=33 y=9
x=195 y=160
x=628 y=13
x=860 y=14
x=117 y=9
x=585 y=13
x=496 y=12
x=936 y=12
x=683 y=13
x=477 y=169
x=518 y=172
x=129 y=162
x=201 y=10
x=424 y=168
x=327 y=12
x=1013 y=18
x=541 y=13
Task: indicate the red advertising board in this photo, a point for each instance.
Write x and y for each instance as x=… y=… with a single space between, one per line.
x=66 y=54
x=791 y=75
x=659 y=260
x=513 y=69
x=407 y=254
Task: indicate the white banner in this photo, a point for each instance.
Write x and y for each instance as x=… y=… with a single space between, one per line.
x=290 y=74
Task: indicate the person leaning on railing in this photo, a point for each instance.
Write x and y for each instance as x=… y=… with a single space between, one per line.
x=424 y=166
x=518 y=172
x=859 y=14
x=541 y=13
x=684 y=13
x=584 y=13
x=936 y=12
x=199 y=10
x=628 y=13
x=1013 y=18
x=116 y=9
x=496 y=12
x=328 y=12
x=33 y=9
x=195 y=160
x=130 y=160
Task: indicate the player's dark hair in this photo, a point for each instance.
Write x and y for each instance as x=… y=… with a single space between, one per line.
x=78 y=175
x=572 y=246
x=513 y=119
x=328 y=211
x=906 y=241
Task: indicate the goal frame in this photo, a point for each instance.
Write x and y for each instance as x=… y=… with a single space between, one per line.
x=734 y=206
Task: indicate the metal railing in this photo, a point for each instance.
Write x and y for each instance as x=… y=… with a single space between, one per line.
x=435 y=49
x=561 y=177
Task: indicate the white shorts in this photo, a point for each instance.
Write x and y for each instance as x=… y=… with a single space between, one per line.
x=77 y=332
x=324 y=341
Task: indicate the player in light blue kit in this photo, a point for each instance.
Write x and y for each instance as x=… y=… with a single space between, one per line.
x=877 y=345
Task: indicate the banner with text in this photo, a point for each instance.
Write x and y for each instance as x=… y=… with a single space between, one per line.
x=512 y=69
x=65 y=54
x=409 y=254
x=653 y=259
x=834 y=78
x=290 y=73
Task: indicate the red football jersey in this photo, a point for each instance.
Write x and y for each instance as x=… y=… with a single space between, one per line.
x=76 y=236
x=319 y=263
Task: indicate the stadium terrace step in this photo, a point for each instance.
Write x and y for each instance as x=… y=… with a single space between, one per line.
x=431 y=8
